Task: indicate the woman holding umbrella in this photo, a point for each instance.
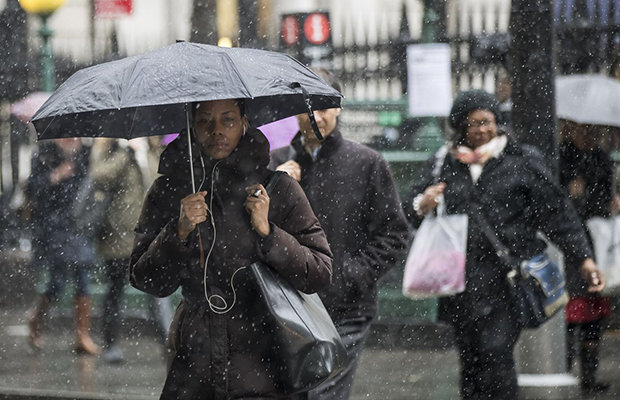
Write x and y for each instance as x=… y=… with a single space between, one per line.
x=202 y=242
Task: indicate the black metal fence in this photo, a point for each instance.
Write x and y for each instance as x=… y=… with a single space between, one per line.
x=587 y=40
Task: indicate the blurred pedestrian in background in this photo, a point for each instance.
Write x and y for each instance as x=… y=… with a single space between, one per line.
x=352 y=192
x=503 y=91
x=586 y=173
x=115 y=172
x=487 y=175
x=58 y=170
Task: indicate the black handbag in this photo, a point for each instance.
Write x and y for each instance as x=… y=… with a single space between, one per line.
x=305 y=342
x=537 y=285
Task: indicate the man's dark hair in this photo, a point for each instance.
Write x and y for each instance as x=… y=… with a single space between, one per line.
x=328 y=76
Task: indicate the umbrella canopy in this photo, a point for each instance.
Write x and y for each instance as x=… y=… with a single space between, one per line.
x=281 y=132
x=588 y=99
x=25 y=108
x=145 y=95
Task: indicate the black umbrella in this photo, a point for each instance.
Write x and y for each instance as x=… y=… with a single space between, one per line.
x=150 y=94
x=147 y=94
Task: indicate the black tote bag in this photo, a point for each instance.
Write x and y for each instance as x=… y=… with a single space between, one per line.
x=305 y=341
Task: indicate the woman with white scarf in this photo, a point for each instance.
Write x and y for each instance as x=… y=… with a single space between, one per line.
x=489 y=176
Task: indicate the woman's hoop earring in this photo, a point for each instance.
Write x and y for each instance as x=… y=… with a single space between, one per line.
x=244 y=129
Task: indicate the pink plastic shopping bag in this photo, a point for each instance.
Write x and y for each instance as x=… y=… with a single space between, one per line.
x=436 y=262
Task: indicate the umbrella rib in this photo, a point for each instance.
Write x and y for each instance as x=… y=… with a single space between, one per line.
x=125 y=82
x=239 y=75
x=135 y=112
x=47 y=127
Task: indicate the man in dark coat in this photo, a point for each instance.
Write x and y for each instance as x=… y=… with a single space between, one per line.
x=487 y=176
x=352 y=192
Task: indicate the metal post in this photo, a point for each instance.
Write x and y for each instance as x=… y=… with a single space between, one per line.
x=430 y=19
x=533 y=114
x=14 y=49
x=248 y=23
x=204 y=21
x=48 y=72
x=541 y=353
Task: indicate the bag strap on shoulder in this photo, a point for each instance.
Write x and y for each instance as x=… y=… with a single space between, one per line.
x=500 y=248
x=272 y=181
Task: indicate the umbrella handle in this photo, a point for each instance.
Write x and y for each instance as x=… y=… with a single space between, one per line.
x=308 y=104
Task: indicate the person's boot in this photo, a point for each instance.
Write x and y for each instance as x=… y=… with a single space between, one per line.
x=112 y=354
x=84 y=344
x=35 y=323
x=589 y=366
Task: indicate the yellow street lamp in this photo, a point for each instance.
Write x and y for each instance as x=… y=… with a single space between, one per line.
x=41 y=7
x=44 y=9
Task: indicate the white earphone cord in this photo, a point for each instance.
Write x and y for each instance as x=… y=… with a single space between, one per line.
x=215 y=308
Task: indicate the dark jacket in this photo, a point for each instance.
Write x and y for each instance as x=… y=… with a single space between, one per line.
x=518 y=196
x=352 y=192
x=222 y=356
x=596 y=171
x=53 y=222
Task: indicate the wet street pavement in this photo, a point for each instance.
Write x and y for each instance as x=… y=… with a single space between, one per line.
x=397 y=365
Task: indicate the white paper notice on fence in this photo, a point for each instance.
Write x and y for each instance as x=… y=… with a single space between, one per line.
x=429 y=83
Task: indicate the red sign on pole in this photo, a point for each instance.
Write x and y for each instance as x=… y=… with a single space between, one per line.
x=307 y=37
x=290 y=30
x=316 y=28
x=112 y=8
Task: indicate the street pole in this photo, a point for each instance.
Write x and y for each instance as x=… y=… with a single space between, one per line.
x=248 y=23
x=204 y=22
x=48 y=72
x=541 y=353
x=44 y=9
x=429 y=21
x=533 y=75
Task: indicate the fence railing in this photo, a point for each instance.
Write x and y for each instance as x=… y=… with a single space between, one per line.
x=370 y=59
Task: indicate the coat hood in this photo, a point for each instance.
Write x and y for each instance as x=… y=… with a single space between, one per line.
x=251 y=154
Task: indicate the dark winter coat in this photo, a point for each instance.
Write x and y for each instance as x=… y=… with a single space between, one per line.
x=352 y=192
x=596 y=170
x=53 y=222
x=224 y=356
x=518 y=196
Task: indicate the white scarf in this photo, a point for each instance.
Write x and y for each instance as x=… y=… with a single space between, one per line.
x=478 y=157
